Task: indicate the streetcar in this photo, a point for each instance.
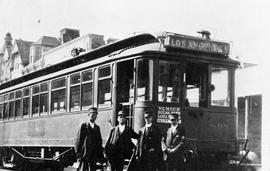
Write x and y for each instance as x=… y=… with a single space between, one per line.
x=159 y=72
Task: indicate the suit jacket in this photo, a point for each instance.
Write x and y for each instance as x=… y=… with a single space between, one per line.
x=88 y=145
x=120 y=145
x=174 y=141
x=149 y=146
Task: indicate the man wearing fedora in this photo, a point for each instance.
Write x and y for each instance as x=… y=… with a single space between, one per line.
x=88 y=145
x=173 y=144
x=119 y=145
x=149 y=153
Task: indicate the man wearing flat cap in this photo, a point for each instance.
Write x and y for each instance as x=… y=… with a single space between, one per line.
x=119 y=145
x=149 y=153
x=173 y=144
x=88 y=145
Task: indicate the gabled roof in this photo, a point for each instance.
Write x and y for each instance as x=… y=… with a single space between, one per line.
x=47 y=41
x=23 y=48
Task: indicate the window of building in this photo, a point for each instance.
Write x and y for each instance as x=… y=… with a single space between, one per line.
x=58 y=97
x=104 y=85
x=87 y=89
x=145 y=79
x=169 y=82
x=26 y=102
x=18 y=103
x=220 y=95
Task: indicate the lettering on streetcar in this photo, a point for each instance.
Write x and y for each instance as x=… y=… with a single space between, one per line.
x=189 y=43
x=164 y=112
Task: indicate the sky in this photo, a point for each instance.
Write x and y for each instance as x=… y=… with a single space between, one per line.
x=243 y=23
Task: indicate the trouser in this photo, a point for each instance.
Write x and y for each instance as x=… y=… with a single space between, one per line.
x=116 y=164
x=175 y=162
x=87 y=166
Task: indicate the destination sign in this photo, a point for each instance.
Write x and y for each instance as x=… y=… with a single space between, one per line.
x=165 y=111
x=190 y=43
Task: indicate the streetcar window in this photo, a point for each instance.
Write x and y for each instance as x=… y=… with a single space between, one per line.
x=75 y=79
x=75 y=92
x=169 y=81
x=87 y=95
x=35 y=99
x=1 y=111
x=12 y=109
x=59 y=83
x=144 y=79
x=6 y=110
x=11 y=105
x=196 y=84
x=11 y=96
x=44 y=103
x=87 y=89
x=26 y=102
x=58 y=99
x=44 y=87
x=44 y=98
x=220 y=86
x=1 y=106
x=87 y=75
x=26 y=91
x=104 y=85
x=18 y=103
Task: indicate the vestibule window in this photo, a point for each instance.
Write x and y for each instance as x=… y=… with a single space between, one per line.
x=169 y=82
x=145 y=79
x=104 y=85
x=195 y=80
x=220 y=95
x=58 y=99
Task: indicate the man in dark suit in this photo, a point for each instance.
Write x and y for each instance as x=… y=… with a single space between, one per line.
x=88 y=145
x=119 y=145
x=149 y=153
x=173 y=144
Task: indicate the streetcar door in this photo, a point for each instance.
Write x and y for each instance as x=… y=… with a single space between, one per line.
x=125 y=89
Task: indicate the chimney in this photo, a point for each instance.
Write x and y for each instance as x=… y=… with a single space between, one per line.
x=97 y=41
x=67 y=34
x=111 y=40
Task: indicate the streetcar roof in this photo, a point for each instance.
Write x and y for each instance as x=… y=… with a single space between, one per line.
x=132 y=45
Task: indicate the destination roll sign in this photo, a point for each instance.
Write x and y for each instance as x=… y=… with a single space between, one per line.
x=192 y=43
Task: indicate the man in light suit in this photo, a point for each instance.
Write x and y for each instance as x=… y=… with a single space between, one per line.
x=88 y=145
x=149 y=153
x=119 y=145
x=173 y=144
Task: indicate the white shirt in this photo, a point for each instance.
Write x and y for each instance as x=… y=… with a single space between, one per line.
x=174 y=128
x=92 y=124
x=148 y=125
x=122 y=128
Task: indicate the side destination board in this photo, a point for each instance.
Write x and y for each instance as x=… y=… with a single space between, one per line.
x=192 y=43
